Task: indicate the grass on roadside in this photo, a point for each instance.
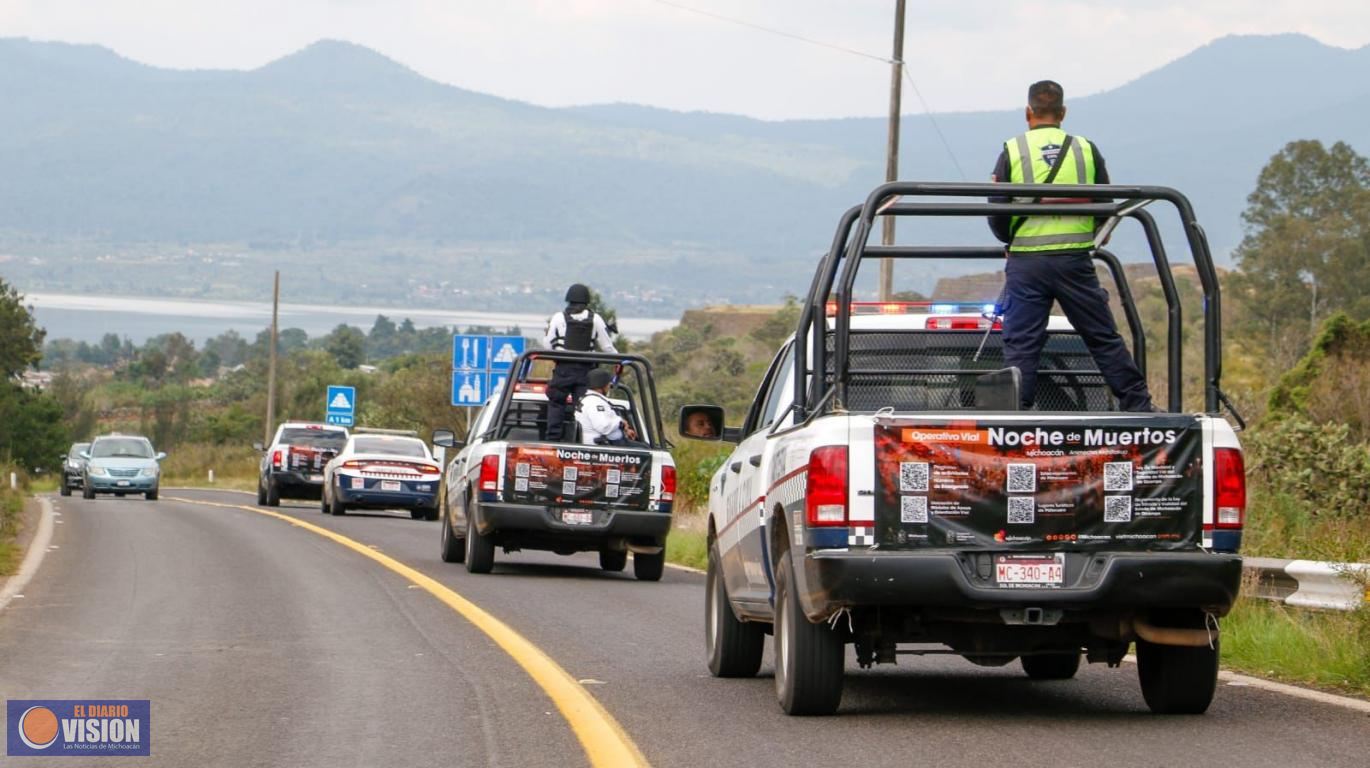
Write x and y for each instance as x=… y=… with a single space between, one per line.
x=687 y=547
x=235 y=466
x=1325 y=649
x=11 y=509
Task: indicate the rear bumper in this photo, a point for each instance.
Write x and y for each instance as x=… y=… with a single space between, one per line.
x=1111 y=581
x=513 y=518
x=377 y=499
x=293 y=479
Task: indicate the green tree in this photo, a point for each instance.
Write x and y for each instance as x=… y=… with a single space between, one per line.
x=347 y=345
x=21 y=340
x=1306 y=247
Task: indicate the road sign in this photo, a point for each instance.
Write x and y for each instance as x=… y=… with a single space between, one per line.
x=469 y=387
x=504 y=350
x=470 y=353
x=340 y=405
x=497 y=381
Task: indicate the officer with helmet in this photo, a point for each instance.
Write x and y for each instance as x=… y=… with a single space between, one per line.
x=576 y=328
x=1050 y=257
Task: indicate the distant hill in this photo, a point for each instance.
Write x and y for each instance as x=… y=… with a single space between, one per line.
x=337 y=151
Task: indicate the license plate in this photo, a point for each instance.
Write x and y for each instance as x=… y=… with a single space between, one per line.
x=121 y=483
x=1029 y=570
x=358 y=483
x=390 y=485
x=575 y=517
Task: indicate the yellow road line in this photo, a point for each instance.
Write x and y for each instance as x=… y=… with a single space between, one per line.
x=603 y=739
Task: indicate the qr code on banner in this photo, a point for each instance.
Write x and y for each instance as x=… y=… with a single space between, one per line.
x=521 y=484
x=1022 y=478
x=568 y=488
x=913 y=476
x=1117 y=509
x=1118 y=476
x=611 y=491
x=520 y=470
x=913 y=509
x=1022 y=509
x=569 y=473
x=613 y=476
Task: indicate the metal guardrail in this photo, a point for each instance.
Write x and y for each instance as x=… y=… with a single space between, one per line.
x=1309 y=583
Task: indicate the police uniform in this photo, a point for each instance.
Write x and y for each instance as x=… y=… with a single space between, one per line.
x=600 y=424
x=1049 y=259
x=578 y=329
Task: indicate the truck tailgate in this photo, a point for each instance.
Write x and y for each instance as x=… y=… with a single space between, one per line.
x=575 y=475
x=1009 y=484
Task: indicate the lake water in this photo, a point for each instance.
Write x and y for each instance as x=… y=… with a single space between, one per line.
x=88 y=318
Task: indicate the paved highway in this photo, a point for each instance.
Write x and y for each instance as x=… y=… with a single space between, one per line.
x=263 y=643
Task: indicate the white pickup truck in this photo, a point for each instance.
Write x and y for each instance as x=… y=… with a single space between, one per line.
x=886 y=492
x=510 y=488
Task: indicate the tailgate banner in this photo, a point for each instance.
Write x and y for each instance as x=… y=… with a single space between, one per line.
x=577 y=476
x=1111 y=483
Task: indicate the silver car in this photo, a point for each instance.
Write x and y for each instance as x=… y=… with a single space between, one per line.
x=121 y=464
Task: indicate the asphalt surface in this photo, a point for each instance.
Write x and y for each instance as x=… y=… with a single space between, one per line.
x=260 y=643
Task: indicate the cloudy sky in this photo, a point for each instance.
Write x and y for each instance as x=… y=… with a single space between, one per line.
x=963 y=55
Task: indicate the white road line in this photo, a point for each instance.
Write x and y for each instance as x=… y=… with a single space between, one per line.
x=34 y=558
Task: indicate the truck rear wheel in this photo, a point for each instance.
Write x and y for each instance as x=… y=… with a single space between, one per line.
x=273 y=493
x=1177 y=680
x=1051 y=666
x=613 y=560
x=480 y=550
x=734 y=647
x=649 y=567
x=808 y=657
x=261 y=493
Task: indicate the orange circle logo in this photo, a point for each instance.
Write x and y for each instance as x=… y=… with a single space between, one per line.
x=38 y=727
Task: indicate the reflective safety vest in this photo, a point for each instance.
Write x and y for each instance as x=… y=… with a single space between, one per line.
x=1037 y=149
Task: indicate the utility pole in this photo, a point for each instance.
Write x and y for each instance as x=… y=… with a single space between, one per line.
x=892 y=146
x=271 y=370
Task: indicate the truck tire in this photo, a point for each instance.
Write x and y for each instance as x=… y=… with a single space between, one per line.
x=261 y=493
x=273 y=494
x=613 y=560
x=453 y=548
x=649 y=567
x=734 y=647
x=1051 y=666
x=808 y=657
x=1177 y=680
x=480 y=550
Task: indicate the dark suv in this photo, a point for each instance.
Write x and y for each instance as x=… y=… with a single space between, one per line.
x=73 y=469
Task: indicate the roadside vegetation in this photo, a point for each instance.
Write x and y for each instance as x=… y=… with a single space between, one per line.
x=11 y=517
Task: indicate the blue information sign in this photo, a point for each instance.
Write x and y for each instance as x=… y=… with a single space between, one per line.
x=470 y=353
x=469 y=387
x=340 y=405
x=504 y=350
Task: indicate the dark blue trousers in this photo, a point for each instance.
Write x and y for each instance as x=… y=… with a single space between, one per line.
x=1032 y=282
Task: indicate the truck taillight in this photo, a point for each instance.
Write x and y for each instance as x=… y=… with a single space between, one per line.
x=278 y=458
x=489 y=473
x=668 y=483
x=1229 y=480
x=825 y=497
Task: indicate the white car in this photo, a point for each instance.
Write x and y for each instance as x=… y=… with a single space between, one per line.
x=383 y=471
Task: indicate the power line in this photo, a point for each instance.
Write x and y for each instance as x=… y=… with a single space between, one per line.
x=932 y=119
x=773 y=31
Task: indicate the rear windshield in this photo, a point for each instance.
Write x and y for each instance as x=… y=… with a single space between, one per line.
x=396 y=446
x=329 y=439
x=76 y=450
x=122 y=448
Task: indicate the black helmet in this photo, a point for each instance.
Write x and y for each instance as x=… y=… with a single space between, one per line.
x=578 y=294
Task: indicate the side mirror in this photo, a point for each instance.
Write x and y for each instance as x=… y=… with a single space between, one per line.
x=701 y=422
x=446 y=438
x=160 y=455
x=257 y=446
x=85 y=455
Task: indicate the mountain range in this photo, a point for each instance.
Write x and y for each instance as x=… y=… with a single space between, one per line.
x=365 y=180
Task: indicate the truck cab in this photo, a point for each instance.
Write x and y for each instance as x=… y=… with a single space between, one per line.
x=886 y=491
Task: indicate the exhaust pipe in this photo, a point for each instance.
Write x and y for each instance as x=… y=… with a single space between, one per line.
x=1189 y=638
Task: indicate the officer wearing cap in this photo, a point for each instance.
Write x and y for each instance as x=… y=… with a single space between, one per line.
x=1049 y=257
x=600 y=424
x=576 y=328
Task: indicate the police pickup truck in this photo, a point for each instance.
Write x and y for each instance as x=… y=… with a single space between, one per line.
x=512 y=489
x=887 y=493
